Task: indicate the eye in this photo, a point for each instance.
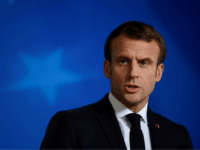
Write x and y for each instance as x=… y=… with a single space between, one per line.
x=123 y=61
x=144 y=62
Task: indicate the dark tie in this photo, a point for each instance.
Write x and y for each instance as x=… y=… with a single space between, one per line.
x=136 y=135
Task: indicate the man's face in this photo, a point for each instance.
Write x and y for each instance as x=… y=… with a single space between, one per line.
x=129 y=66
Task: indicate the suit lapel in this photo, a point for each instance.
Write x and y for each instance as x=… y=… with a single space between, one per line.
x=107 y=119
x=155 y=127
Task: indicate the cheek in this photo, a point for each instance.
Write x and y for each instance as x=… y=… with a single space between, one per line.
x=150 y=82
x=117 y=78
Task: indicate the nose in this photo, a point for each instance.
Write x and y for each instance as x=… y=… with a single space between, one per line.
x=133 y=70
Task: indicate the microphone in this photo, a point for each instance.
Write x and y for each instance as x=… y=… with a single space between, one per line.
x=181 y=147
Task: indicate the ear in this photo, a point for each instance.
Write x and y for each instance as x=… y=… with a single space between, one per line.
x=159 y=72
x=107 y=70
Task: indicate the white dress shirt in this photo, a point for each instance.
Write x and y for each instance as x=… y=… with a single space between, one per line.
x=121 y=111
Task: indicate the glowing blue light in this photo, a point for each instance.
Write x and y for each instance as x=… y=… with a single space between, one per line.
x=11 y=2
x=46 y=74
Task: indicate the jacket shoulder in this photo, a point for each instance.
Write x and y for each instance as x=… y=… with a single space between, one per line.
x=175 y=130
x=169 y=123
x=59 y=124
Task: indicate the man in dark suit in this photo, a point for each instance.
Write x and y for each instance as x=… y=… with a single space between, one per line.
x=122 y=119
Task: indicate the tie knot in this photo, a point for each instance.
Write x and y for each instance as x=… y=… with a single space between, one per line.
x=134 y=119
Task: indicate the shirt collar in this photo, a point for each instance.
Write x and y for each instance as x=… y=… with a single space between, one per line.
x=121 y=110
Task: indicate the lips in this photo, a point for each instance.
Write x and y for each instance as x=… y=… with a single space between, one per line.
x=132 y=88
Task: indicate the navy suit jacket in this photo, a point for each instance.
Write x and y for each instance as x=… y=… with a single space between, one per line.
x=95 y=126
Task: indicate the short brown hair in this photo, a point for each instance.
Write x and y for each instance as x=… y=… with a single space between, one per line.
x=140 y=31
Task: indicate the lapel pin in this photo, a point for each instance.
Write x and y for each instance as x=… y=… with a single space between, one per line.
x=157 y=125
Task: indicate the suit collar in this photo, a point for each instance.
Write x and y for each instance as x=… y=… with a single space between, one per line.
x=106 y=117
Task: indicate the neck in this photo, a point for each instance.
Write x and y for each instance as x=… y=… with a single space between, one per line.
x=133 y=106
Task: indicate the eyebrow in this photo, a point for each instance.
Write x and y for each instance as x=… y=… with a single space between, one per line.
x=143 y=59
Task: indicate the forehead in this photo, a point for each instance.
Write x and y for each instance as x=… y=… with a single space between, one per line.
x=126 y=46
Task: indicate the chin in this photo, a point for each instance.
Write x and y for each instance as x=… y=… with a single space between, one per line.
x=131 y=100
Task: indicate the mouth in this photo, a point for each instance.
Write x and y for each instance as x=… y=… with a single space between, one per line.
x=132 y=88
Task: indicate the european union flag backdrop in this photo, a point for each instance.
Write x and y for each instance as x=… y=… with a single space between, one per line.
x=52 y=54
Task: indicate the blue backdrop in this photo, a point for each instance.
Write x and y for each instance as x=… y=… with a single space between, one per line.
x=52 y=54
